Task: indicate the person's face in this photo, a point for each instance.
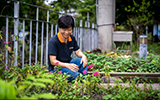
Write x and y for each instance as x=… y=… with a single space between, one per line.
x=65 y=33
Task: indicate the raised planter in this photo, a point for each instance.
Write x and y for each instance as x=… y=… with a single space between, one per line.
x=123 y=36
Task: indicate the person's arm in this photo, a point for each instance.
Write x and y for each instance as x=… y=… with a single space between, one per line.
x=71 y=66
x=80 y=54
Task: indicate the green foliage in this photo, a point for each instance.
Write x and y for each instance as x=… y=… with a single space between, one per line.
x=5 y=9
x=118 y=63
x=154 y=48
x=65 y=5
x=87 y=6
x=7 y=91
x=121 y=28
x=35 y=82
x=149 y=36
x=121 y=14
x=141 y=16
x=81 y=7
x=130 y=93
x=43 y=84
x=46 y=96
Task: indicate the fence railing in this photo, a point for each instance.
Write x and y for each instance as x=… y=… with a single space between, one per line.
x=35 y=47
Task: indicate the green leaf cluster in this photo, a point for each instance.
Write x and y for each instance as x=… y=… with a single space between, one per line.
x=139 y=16
x=35 y=82
x=116 y=63
x=7 y=91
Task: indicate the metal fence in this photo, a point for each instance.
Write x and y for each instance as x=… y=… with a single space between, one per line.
x=85 y=34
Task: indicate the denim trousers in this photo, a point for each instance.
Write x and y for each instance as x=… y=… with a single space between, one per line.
x=72 y=74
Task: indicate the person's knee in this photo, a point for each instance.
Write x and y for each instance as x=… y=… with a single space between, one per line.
x=76 y=61
x=79 y=59
x=75 y=75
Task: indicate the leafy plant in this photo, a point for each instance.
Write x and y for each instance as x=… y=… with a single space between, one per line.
x=35 y=82
x=7 y=91
x=118 y=63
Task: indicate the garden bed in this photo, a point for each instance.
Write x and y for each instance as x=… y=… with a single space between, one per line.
x=34 y=82
x=115 y=62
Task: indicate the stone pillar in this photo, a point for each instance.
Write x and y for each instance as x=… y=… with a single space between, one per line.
x=106 y=20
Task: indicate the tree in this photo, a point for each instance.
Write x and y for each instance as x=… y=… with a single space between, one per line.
x=87 y=6
x=140 y=16
x=6 y=8
x=79 y=6
x=121 y=14
x=64 y=5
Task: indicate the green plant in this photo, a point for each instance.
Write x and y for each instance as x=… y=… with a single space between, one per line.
x=121 y=28
x=140 y=16
x=118 y=63
x=131 y=92
x=7 y=91
x=34 y=82
x=41 y=84
x=149 y=35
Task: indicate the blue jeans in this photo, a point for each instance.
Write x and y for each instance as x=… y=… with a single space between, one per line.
x=72 y=74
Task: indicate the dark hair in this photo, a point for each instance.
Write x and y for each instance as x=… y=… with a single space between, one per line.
x=66 y=21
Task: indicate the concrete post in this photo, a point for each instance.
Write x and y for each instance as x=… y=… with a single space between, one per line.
x=106 y=20
x=143 y=46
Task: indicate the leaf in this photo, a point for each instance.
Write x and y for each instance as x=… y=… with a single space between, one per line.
x=41 y=72
x=16 y=38
x=10 y=91
x=107 y=96
x=27 y=82
x=45 y=80
x=2 y=89
x=39 y=84
x=11 y=75
x=45 y=75
x=22 y=87
x=47 y=96
x=30 y=77
x=48 y=75
x=12 y=82
x=27 y=98
x=1 y=37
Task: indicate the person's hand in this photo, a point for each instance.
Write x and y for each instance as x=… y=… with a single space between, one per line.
x=72 y=67
x=84 y=60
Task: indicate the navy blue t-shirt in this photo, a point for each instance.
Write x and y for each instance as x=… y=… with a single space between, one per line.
x=61 y=50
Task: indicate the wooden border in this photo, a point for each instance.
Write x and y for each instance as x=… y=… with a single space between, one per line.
x=130 y=74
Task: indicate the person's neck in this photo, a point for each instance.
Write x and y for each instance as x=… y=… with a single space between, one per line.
x=65 y=40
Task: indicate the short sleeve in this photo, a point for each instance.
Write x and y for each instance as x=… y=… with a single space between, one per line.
x=52 y=49
x=76 y=47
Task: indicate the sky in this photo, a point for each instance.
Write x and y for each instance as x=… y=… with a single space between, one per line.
x=48 y=1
